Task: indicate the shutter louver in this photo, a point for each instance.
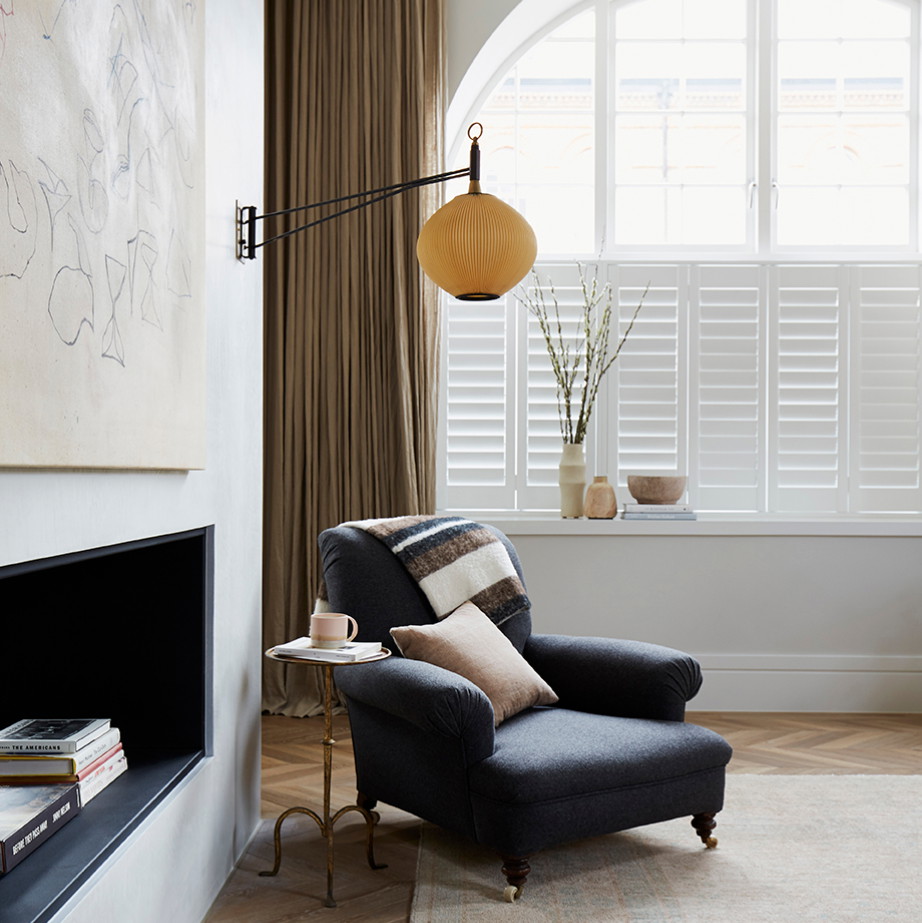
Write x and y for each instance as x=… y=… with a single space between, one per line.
x=808 y=390
x=478 y=413
x=726 y=387
x=649 y=423
x=887 y=447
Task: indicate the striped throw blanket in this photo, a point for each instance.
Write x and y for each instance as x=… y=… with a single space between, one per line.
x=453 y=560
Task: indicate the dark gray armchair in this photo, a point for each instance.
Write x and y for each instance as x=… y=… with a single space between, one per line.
x=613 y=753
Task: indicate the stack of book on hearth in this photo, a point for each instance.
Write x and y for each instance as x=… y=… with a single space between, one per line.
x=651 y=511
x=50 y=768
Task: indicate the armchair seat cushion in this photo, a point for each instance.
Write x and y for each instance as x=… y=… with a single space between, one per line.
x=558 y=775
x=554 y=753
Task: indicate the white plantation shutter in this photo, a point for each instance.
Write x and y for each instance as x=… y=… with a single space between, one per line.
x=726 y=387
x=540 y=449
x=775 y=387
x=887 y=367
x=648 y=427
x=478 y=416
x=807 y=390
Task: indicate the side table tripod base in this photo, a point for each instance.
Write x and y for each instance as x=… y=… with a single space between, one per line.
x=326 y=830
x=327 y=822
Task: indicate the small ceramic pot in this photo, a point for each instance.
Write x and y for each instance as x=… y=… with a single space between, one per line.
x=600 y=500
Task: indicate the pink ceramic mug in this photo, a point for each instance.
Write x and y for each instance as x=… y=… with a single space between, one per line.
x=331 y=629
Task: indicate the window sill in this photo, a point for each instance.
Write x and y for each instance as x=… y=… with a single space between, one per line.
x=707 y=524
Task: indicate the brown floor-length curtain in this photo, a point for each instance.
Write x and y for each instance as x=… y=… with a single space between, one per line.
x=353 y=102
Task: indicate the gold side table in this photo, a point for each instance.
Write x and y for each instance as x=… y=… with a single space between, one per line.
x=327 y=822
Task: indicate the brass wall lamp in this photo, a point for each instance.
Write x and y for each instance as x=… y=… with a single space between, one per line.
x=475 y=247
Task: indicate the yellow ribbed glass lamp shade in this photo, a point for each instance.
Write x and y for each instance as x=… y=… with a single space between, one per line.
x=476 y=247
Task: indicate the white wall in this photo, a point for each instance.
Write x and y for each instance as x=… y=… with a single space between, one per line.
x=484 y=33
x=173 y=867
x=802 y=621
x=468 y=25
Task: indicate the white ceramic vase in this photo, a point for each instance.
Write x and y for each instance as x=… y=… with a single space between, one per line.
x=572 y=480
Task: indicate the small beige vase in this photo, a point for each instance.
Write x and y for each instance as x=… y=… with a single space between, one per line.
x=600 y=500
x=572 y=480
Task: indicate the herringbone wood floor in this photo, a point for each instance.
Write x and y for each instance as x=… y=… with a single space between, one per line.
x=293 y=775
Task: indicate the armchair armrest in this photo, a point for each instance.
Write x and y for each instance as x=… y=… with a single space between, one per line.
x=435 y=700
x=629 y=679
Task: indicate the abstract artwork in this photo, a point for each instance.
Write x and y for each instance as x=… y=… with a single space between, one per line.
x=102 y=315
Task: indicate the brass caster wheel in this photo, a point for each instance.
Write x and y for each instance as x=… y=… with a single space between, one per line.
x=511 y=894
x=711 y=842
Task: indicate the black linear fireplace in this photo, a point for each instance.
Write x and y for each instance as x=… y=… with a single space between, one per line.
x=121 y=632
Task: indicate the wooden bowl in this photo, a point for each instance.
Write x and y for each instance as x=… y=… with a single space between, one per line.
x=656 y=488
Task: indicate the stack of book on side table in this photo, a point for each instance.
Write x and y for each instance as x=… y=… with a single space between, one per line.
x=658 y=511
x=349 y=652
x=49 y=769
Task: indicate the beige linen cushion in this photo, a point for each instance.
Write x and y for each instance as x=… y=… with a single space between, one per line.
x=468 y=643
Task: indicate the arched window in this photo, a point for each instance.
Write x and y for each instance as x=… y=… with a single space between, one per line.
x=757 y=163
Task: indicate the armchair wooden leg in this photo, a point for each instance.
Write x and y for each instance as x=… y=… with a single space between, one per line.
x=704 y=825
x=516 y=869
x=363 y=801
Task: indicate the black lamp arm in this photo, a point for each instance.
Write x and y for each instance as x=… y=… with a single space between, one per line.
x=247 y=217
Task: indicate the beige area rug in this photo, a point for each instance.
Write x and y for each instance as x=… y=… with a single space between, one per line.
x=796 y=849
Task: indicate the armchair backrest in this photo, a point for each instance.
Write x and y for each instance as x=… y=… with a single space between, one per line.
x=366 y=580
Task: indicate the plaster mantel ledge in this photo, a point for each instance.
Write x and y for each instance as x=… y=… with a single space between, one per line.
x=707 y=524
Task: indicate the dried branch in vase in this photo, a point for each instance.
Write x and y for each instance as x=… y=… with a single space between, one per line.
x=579 y=363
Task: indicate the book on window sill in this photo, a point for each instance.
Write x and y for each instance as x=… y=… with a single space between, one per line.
x=37 y=764
x=657 y=508
x=658 y=515
x=30 y=815
x=51 y=735
x=350 y=651
x=82 y=775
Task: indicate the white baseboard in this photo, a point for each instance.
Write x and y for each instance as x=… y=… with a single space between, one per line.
x=810 y=683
